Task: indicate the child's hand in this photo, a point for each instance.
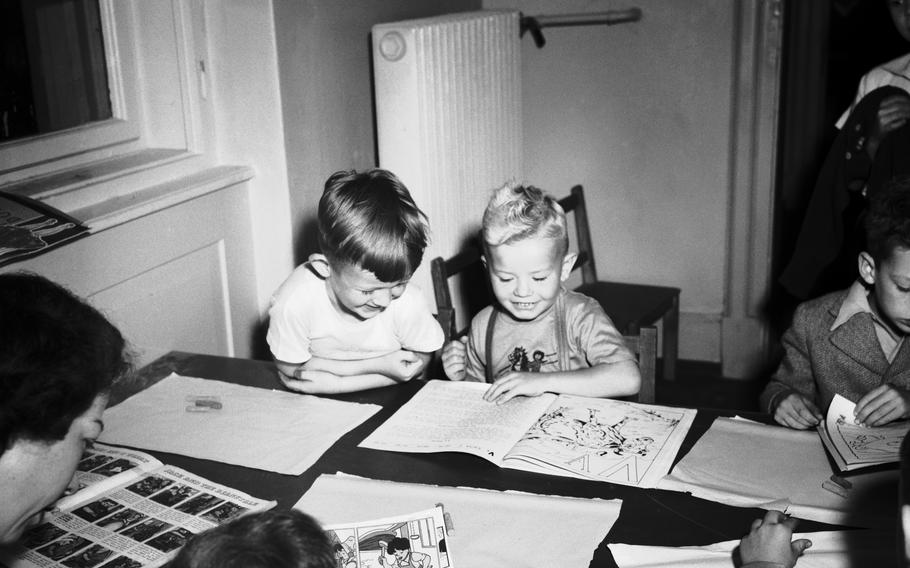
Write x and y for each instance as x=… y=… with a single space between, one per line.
x=769 y=541
x=511 y=385
x=453 y=359
x=307 y=382
x=403 y=365
x=797 y=412
x=881 y=405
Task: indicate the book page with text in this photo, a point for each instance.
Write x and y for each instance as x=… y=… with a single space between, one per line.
x=449 y=416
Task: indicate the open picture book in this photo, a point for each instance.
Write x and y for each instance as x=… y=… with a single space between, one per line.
x=130 y=510
x=854 y=446
x=588 y=438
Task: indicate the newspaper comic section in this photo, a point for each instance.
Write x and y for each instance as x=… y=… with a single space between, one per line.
x=129 y=510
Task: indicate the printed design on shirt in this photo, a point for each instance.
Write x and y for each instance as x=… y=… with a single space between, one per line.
x=520 y=361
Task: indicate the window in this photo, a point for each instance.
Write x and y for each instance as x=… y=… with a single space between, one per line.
x=52 y=65
x=141 y=88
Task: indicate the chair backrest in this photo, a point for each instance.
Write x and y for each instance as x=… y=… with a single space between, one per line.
x=474 y=284
x=645 y=346
x=574 y=204
x=475 y=287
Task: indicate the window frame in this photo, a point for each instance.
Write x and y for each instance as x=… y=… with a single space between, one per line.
x=156 y=61
x=44 y=150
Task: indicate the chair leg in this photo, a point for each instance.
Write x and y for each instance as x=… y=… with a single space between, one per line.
x=671 y=340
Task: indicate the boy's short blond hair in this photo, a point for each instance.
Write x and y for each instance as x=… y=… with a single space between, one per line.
x=517 y=212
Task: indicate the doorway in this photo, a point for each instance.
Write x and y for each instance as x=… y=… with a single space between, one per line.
x=828 y=46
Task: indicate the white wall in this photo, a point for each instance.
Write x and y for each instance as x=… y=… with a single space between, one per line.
x=326 y=91
x=640 y=114
x=244 y=85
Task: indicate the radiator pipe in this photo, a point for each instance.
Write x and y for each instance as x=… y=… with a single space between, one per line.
x=534 y=24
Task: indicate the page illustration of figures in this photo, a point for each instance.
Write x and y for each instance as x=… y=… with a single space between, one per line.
x=417 y=540
x=608 y=440
x=858 y=444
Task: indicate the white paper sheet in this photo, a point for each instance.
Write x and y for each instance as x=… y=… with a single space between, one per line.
x=490 y=528
x=836 y=549
x=756 y=465
x=258 y=428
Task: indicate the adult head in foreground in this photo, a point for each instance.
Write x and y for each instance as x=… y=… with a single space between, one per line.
x=58 y=359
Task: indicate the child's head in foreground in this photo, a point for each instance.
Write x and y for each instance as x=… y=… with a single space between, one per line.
x=884 y=265
x=373 y=236
x=526 y=243
x=271 y=539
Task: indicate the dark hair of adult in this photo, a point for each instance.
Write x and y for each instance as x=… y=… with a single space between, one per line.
x=57 y=354
x=271 y=539
x=369 y=219
x=888 y=219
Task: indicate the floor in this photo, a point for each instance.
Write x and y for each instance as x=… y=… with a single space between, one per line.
x=700 y=384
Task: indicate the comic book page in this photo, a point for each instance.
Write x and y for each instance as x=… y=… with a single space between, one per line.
x=103 y=467
x=604 y=440
x=446 y=416
x=29 y=227
x=853 y=445
x=142 y=523
x=417 y=539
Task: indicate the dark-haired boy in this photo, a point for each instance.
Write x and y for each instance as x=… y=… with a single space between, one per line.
x=346 y=320
x=853 y=342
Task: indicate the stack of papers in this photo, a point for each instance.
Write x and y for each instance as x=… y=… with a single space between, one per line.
x=746 y=464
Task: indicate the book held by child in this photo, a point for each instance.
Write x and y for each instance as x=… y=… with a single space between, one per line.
x=854 y=446
x=588 y=438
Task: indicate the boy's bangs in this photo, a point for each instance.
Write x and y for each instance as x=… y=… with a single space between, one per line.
x=390 y=261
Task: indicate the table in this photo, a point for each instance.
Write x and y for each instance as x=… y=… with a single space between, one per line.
x=649 y=516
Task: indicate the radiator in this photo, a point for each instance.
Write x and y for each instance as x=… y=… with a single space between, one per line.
x=448 y=112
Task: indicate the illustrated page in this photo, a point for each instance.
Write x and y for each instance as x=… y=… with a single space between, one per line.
x=858 y=444
x=103 y=467
x=140 y=524
x=417 y=539
x=603 y=439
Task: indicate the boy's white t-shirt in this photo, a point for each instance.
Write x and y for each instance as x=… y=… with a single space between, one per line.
x=304 y=323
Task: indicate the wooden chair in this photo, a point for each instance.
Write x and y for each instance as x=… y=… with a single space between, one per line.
x=644 y=345
x=630 y=306
x=475 y=293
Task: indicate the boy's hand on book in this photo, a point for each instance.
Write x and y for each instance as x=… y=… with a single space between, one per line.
x=881 y=405
x=797 y=412
x=453 y=358
x=769 y=541
x=511 y=385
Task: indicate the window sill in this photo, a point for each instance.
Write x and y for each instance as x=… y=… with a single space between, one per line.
x=113 y=191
